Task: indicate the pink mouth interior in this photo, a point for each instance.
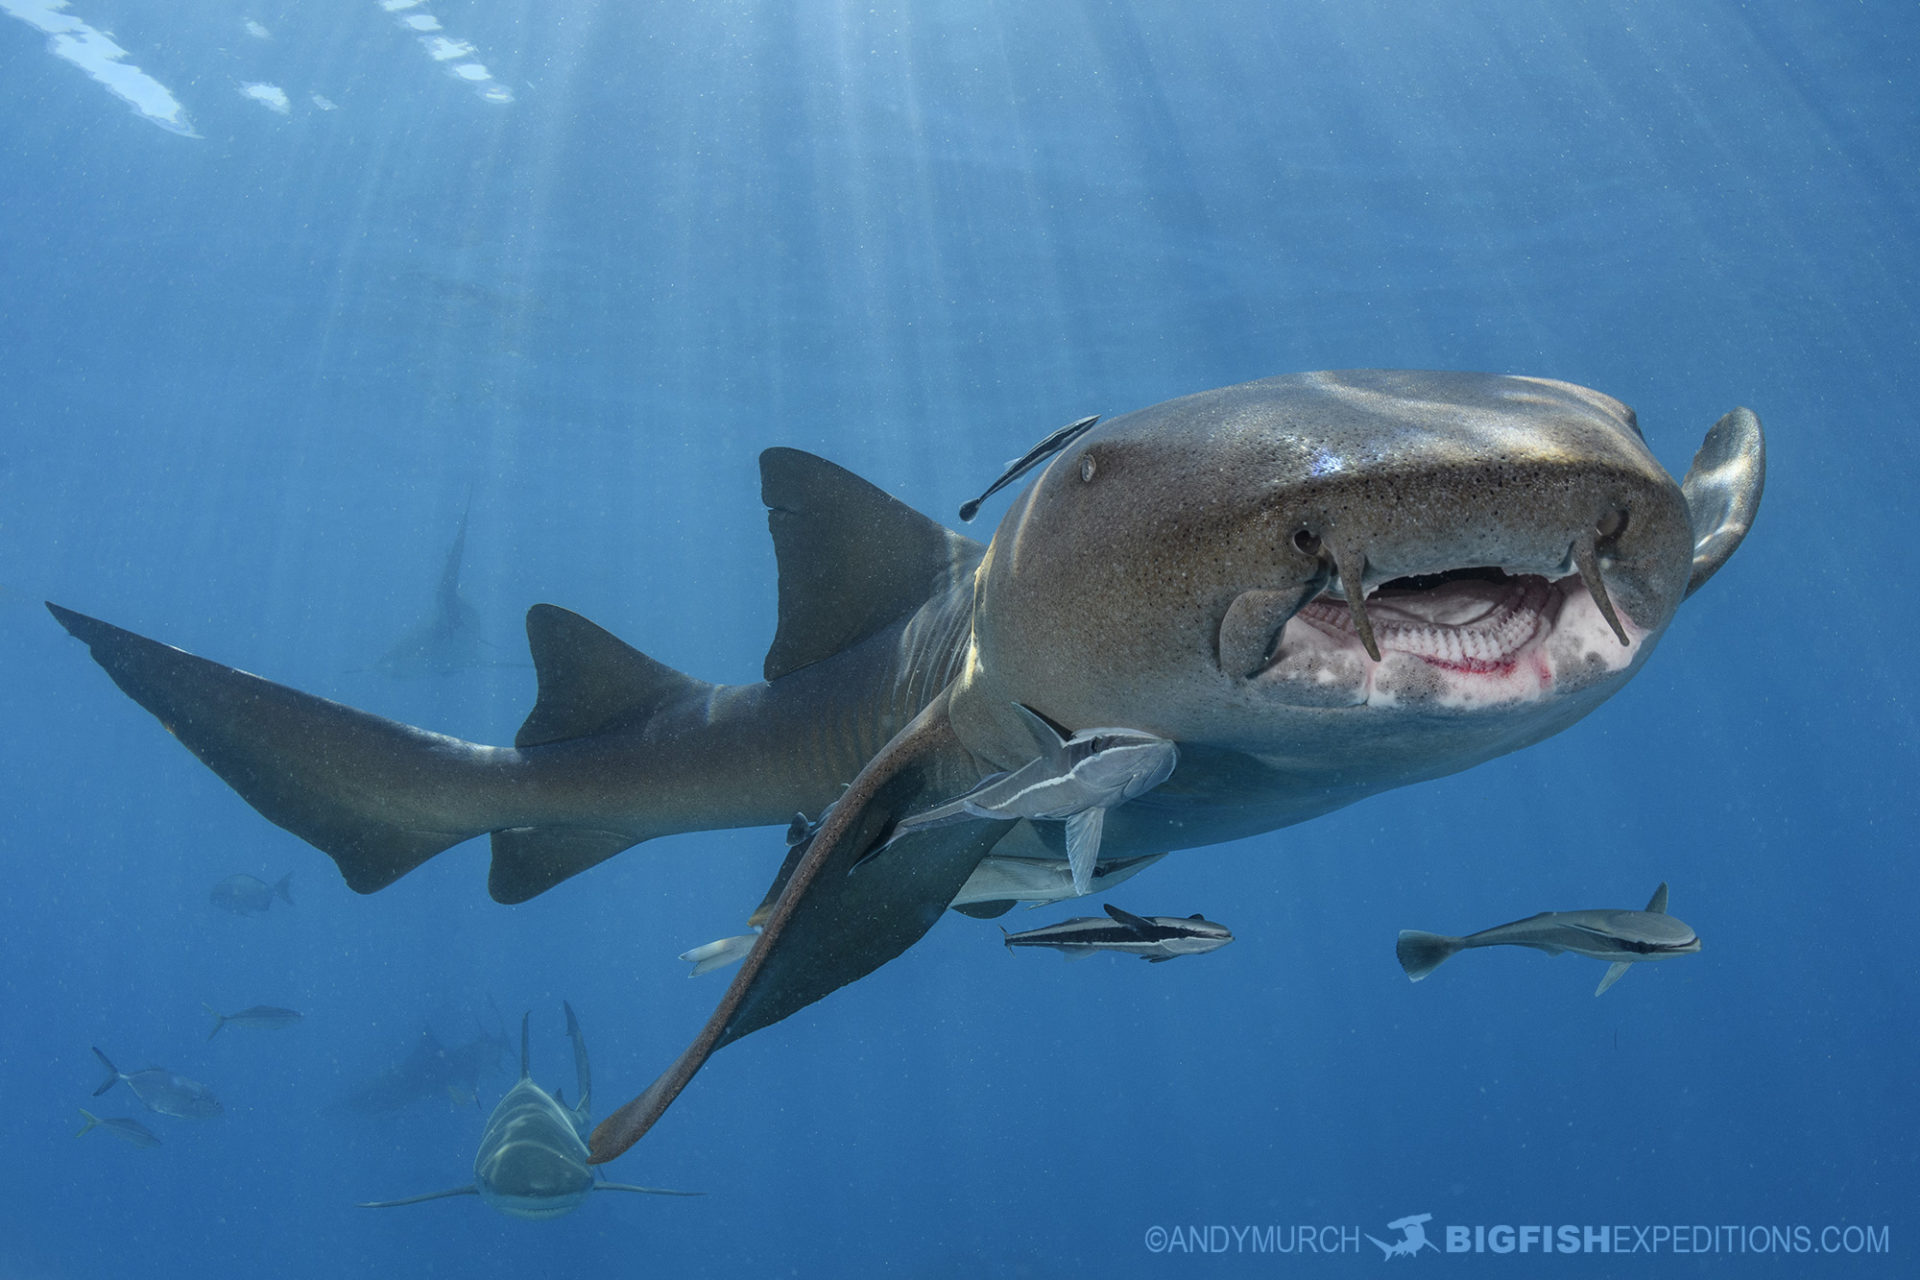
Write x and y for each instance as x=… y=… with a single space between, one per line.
x=1472 y=625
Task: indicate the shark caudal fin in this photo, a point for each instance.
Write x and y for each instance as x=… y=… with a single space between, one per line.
x=1421 y=953
x=380 y=797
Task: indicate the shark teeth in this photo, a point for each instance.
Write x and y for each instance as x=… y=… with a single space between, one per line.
x=1470 y=625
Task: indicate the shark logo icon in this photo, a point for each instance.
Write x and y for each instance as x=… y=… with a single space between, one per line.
x=1413 y=1237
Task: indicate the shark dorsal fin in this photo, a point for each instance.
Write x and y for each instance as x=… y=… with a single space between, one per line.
x=590 y=679
x=1657 y=905
x=852 y=558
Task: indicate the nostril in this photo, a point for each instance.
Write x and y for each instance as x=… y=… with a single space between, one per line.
x=1612 y=524
x=1307 y=542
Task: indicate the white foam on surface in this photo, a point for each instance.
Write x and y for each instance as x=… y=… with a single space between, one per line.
x=270 y=96
x=95 y=53
x=445 y=48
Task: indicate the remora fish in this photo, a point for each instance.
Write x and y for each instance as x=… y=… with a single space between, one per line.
x=246 y=895
x=533 y=1153
x=162 y=1091
x=1624 y=937
x=122 y=1127
x=1152 y=938
x=263 y=1016
x=1075 y=780
x=1318 y=587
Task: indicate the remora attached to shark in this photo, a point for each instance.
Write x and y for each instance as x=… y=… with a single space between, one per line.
x=1317 y=587
x=1623 y=937
x=532 y=1161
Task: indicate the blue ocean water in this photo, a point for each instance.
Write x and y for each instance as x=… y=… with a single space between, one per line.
x=287 y=293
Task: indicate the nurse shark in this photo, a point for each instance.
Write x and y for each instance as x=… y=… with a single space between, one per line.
x=1315 y=587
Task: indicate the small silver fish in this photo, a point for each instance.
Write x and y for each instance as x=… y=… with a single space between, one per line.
x=127 y=1130
x=246 y=895
x=1152 y=938
x=1623 y=937
x=1073 y=780
x=263 y=1016
x=162 y=1091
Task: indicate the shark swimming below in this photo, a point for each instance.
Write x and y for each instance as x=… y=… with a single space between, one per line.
x=1314 y=587
x=1623 y=937
x=532 y=1161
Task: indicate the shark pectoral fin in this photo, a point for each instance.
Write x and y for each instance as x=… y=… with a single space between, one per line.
x=1083 y=846
x=1657 y=904
x=1615 y=971
x=378 y=796
x=645 y=1191
x=468 y=1190
x=828 y=927
x=1722 y=489
x=528 y=861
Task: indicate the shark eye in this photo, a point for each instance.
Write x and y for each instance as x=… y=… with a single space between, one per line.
x=1307 y=542
x=1611 y=525
x=1086 y=467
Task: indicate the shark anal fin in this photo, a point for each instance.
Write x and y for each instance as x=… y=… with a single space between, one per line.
x=852 y=558
x=378 y=796
x=528 y=861
x=829 y=927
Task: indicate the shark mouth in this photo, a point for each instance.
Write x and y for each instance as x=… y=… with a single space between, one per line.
x=1461 y=638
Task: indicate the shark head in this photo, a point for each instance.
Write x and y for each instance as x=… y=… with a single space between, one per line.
x=532 y=1161
x=1434 y=567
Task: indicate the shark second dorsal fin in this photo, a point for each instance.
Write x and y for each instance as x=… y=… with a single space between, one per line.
x=591 y=680
x=1657 y=905
x=852 y=558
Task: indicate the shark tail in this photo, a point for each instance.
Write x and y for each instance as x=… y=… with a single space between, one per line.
x=1420 y=953
x=113 y=1074
x=381 y=797
x=219 y=1021
x=86 y=1127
